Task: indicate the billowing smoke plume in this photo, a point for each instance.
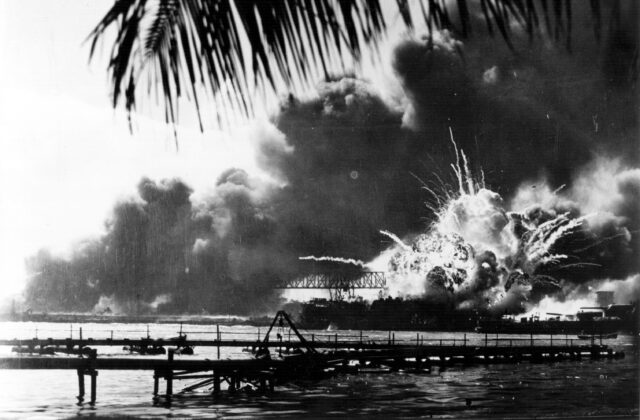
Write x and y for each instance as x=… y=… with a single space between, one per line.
x=481 y=252
x=348 y=164
x=538 y=110
x=547 y=116
x=163 y=252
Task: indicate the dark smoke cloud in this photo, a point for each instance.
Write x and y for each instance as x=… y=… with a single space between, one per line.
x=208 y=257
x=344 y=165
x=538 y=110
x=348 y=174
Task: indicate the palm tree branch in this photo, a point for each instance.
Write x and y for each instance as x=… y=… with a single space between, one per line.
x=206 y=43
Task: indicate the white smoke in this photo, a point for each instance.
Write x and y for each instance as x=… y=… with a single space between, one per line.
x=159 y=300
x=108 y=305
x=350 y=261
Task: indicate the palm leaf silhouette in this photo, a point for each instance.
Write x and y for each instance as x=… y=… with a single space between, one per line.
x=182 y=46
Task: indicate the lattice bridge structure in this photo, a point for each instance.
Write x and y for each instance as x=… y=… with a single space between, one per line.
x=339 y=284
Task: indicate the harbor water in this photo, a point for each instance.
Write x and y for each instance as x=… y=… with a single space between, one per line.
x=604 y=388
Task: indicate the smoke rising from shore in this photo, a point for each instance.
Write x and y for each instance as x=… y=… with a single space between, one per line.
x=346 y=164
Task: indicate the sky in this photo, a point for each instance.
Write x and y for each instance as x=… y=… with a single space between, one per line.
x=61 y=140
x=66 y=156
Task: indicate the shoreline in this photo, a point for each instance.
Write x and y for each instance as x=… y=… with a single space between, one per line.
x=138 y=319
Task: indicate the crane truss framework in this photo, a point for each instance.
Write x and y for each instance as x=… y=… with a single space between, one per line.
x=337 y=281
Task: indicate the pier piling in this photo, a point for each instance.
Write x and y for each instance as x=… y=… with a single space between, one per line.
x=169 y=374
x=94 y=383
x=216 y=382
x=336 y=356
x=80 y=385
x=156 y=380
x=218 y=339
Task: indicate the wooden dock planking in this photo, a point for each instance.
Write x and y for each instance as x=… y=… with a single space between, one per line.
x=137 y=363
x=264 y=372
x=352 y=344
x=109 y=363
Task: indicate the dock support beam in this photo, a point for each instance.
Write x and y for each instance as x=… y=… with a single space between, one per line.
x=80 y=386
x=216 y=383
x=94 y=383
x=93 y=374
x=169 y=376
x=156 y=380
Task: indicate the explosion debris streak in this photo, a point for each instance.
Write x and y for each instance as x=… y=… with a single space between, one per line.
x=397 y=240
x=334 y=259
x=480 y=252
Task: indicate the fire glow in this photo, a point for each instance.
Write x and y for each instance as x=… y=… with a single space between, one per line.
x=480 y=252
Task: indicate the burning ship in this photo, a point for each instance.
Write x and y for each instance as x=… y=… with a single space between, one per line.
x=604 y=319
x=420 y=314
x=483 y=257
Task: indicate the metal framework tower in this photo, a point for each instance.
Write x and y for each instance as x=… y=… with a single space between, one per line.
x=339 y=284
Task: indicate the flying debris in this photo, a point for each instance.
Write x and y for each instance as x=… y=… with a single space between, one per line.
x=334 y=259
x=482 y=254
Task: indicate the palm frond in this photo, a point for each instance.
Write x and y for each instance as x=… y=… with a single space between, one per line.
x=195 y=44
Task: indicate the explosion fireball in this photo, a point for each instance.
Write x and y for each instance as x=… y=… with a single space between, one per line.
x=480 y=252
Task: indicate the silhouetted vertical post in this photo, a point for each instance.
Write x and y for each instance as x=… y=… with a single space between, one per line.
x=336 y=341
x=531 y=337
x=94 y=374
x=94 y=383
x=170 y=373
x=155 y=383
x=80 y=385
x=465 y=340
x=551 y=339
x=393 y=338
x=216 y=382
x=232 y=382
x=218 y=339
x=486 y=338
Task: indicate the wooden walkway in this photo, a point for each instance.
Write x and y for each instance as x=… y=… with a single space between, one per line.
x=299 y=360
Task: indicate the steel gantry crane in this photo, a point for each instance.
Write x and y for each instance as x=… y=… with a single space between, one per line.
x=339 y=284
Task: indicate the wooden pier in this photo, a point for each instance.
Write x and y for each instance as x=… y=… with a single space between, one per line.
x=295 y=360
